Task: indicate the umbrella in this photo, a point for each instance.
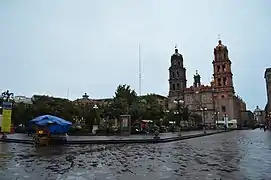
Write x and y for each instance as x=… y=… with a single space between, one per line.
x=49 y=119
x=55 y=124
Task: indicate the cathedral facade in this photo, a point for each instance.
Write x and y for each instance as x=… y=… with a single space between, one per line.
x=216 y=101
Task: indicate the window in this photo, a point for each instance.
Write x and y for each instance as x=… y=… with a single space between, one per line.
x=178 y=86
x=219 y=81
x=224 y=68
x=222 y=96
x=173 y=74
x=173 y=87
x=218 y=68
x=224 y=81
x=223 y=108
x=179 y=63
x=177 y=73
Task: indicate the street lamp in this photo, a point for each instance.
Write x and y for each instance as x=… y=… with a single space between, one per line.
x=165 y=115
x=95 y=107
x=203 y=109
x=179 y=103
x=226 y=121
x=216 y=118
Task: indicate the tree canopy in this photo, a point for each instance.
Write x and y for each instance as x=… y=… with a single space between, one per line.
x=125 y=101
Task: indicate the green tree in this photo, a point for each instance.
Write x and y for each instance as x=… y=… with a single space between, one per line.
x=152 y=109
x=55 y=106
x=84 y=111
x=21 y=113
x=42 y=105
x=124 y=100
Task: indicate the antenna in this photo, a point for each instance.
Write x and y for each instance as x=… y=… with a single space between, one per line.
x=68 y=92
x=139 y=69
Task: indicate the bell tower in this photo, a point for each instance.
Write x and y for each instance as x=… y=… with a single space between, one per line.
x=225 y=101
x=177 y=77
x=222 y=69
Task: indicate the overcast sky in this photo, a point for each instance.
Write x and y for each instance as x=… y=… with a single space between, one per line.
x=50 y=46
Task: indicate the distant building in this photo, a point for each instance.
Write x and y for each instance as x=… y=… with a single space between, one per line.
x=22 y=99
x=267 y=76
x=84 y=100
x=247 y=119
x=259 y=115
x=161 y=100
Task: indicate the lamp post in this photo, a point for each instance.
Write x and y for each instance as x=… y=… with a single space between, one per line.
x=166 y=115
x=226 y=121
x=203 y=109
x=95 y=107
x=179 y=103
x=216 y=113
x=200 y=108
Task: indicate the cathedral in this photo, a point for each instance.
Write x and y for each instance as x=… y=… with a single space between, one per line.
x=217 y=101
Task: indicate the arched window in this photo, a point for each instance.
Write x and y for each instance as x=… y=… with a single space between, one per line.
x=219 y=82
x=224 y=68
x=224 y=81
x=218 y=68
x=173 y=87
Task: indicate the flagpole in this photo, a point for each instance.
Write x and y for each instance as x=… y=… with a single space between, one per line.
x=139 y=69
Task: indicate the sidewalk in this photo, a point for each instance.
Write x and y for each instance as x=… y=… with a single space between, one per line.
x=139 y=136
x=164 y=137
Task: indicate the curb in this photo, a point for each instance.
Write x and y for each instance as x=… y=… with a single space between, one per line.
x=121 y=141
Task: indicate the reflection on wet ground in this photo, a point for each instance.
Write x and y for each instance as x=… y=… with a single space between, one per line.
x=226 y=156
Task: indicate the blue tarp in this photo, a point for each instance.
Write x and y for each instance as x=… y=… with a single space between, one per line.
x=54 y=124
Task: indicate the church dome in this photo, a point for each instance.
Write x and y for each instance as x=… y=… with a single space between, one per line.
x=176 y=52
x=257 y=109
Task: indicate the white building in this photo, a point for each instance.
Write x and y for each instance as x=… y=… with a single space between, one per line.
x=23 y=99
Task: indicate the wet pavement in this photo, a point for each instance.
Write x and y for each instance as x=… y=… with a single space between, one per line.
x=228 y=156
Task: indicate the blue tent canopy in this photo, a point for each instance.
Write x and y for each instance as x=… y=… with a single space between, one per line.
x=55 y=124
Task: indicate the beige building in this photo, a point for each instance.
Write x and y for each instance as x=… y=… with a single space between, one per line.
x=215 y=101
x=226 y=102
